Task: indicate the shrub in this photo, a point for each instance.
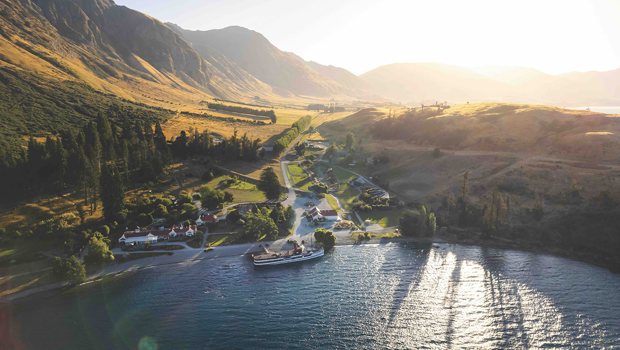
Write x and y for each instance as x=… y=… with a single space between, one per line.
x=144 y=219
x=71 y=270
x=325 y=237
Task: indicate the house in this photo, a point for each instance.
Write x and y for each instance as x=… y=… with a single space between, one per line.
x=316 y=214
x=141 y=237
x=182 y=231
x=206 y=219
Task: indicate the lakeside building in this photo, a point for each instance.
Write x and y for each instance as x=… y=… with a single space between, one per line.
x=154 y=235
x=207 y=219
x=316 y=214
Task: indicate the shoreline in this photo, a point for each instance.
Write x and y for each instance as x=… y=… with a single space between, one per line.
x=191 y=254
x=533 y=247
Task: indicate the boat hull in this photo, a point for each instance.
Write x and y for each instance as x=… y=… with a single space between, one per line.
x=289 y=260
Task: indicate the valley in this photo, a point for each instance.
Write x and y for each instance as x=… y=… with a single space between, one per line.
x=129 y=144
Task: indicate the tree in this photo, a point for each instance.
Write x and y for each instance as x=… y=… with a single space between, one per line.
x=350 y=140
x=71 y=270
x=112 y=194
x=98 y=250
x=160 y=211
x=260 y=226
x=409 y=223
x=300 y=148
x=212 y=199
x=330 y=152
x=269 y=183
x=277 y=214
x=144 y=219
x=432 y=223
x=325 y=237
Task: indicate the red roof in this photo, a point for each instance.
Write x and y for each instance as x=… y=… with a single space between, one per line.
x=329 y=212
x=208 y=218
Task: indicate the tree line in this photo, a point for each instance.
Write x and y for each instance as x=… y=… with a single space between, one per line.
x=86 y=159
x=291 y=134
x=202 y=143
x=245 y=110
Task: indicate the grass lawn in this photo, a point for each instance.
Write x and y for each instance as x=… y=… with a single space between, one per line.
x=215 y=240
x=343 y=175
x=300 y=178
x=384 y=218
x=332 y=201
x=347 y=195
x=242 y=191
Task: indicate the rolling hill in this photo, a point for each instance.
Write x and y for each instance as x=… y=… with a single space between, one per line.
x=416 y=83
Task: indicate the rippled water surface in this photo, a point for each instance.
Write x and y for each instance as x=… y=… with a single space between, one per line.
x=373 y=296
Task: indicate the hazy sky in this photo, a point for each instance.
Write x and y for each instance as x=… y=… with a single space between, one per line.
x=553 y=36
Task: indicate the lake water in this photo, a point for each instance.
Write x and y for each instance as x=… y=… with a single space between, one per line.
x=600 y=109
x=397 y=296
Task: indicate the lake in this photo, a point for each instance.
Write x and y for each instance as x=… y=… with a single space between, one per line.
x=395 y=295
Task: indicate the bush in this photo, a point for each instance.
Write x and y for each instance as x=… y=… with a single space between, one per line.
x=188 y=211
x=71 y=270
x=144 y=219
x=98 y=250
x=160 y=211
x=325 y=237
x=105 y=230
x=184 y=198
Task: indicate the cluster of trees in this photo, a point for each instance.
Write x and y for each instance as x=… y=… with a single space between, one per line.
x=268 y=223
x=291 y=134
x=71 y=270
x=270 y=184
x=316 y=107
x=325 y=237
x=202 y=143
x=418 y=223
x=129 y=151
x=368 y=202
x=245 y=110
x=212 y=199
x=331 y=108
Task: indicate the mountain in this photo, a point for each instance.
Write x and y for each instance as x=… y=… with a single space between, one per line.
x=287 y=73
x=430 y=82
x=111 y=48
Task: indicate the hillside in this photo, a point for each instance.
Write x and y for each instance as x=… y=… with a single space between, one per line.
x=285 y=72
x=496 y=127
x=62 y=62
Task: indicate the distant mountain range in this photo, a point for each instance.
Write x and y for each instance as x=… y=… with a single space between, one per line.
x=123 y=52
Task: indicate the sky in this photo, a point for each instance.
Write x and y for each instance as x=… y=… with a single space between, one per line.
x=360 y=35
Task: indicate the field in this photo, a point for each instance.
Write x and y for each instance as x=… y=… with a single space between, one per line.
x=300 y=178
x=384 y=218
x=174 y=126
x=242 y=191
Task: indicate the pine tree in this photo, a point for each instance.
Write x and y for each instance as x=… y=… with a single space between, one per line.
x=112 y=194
